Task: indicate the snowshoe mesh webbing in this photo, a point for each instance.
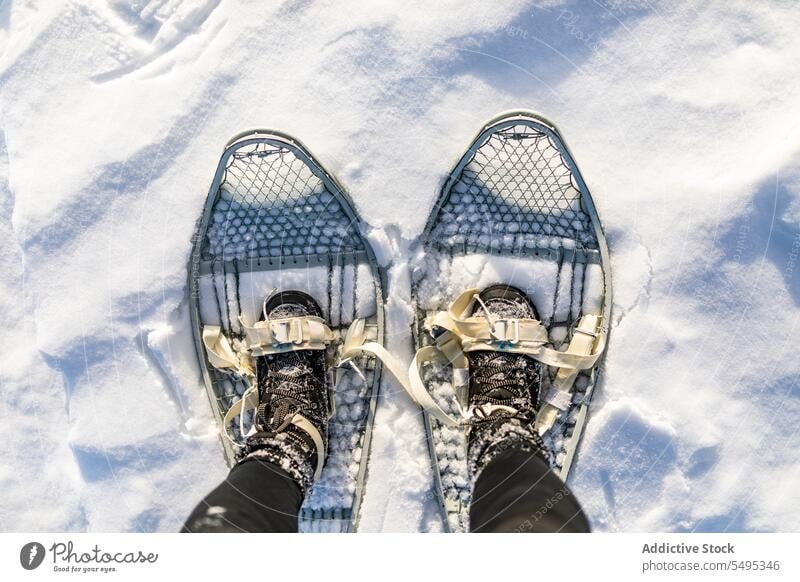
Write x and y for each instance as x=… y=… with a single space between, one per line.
x=515 y=194
x=271 y=204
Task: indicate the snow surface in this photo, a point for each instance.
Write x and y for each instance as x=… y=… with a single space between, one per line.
x=683 y=119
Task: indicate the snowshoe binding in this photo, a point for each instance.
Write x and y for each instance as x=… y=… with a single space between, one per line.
x=513 y=296
x=276 y=221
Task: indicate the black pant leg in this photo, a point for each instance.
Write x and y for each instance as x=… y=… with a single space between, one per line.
x=517 y=492
x=255 y=497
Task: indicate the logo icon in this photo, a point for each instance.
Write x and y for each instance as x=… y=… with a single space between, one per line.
x=31 y=555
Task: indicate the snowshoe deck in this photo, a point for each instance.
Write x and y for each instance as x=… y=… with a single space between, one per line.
x=513 y=210
x=275 y=219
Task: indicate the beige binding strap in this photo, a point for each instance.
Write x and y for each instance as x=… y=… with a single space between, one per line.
x=221 y=353
x=356 y=341
x=306 y=425
x=265 y=337
x=269 y=336
x=457 y=334
x=520 y=336
x=249 y=401
x=274 y=336
x=586 y=339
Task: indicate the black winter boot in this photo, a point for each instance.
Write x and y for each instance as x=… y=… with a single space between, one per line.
x=500 y=379
x=290 y=384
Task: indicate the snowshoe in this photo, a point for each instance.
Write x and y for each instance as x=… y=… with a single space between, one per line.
x=275 y=220
x=514 y=211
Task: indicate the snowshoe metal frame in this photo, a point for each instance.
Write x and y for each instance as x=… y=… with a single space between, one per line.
x=599 y=255
x=199 y=265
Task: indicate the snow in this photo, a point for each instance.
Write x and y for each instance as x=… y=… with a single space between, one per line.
x=683 y=120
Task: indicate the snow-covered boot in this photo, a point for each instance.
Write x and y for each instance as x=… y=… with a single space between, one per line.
x=291 y=420
x=503 y=387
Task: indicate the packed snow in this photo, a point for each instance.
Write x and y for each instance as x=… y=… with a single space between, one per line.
x=682 y=118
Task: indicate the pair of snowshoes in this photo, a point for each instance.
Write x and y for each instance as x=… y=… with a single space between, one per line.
x=514 y=210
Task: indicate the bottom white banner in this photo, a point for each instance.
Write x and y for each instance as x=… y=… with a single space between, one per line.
x=425 y=556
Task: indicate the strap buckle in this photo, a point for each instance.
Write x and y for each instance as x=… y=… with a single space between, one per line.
x=284 y=331
x=591 y=334
x=501 y=328
x=561 y=399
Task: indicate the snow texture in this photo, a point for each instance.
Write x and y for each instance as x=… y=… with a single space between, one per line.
x=683 y=119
